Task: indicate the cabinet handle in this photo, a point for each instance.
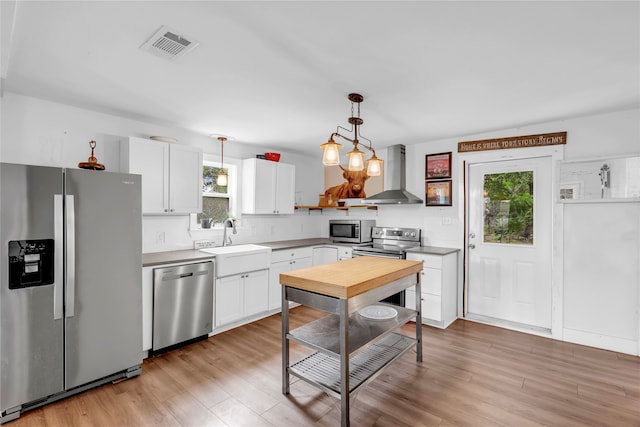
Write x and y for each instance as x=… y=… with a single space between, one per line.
x=171 y=210
x=166 y=210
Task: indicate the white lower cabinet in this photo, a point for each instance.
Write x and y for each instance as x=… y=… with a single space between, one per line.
x=324 y=254
x=240 y=296
x=439 y=282
x=283 y=261
x=330 y=253
x=344 y=252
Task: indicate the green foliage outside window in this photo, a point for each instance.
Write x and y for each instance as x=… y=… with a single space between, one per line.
x=216 y=208
x=508 y=204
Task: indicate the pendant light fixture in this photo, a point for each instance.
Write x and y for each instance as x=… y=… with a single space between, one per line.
x=222 y=179
x=331 y=155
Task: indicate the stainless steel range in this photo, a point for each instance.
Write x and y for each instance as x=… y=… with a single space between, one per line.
x=390 y=242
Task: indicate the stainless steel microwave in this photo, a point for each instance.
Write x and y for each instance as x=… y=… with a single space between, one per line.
x=351 y=230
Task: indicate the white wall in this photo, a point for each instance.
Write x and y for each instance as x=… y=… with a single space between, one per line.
x=598 y=260
x=39 y=132
x=44 y=133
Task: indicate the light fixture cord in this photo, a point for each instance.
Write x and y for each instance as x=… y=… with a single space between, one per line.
x=222 y=154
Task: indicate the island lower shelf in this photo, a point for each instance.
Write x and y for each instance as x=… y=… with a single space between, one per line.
x=323 y=370
x=323 y=334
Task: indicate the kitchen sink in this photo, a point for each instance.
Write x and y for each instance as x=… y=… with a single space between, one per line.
x=239 y=259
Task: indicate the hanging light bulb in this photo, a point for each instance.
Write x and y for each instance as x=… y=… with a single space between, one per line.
x=331 y=155
x=222 y=177
x=356 y=161
x=374 y=166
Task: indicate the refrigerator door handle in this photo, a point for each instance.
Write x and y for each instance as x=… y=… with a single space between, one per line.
x=58 y=256
x=71 y=256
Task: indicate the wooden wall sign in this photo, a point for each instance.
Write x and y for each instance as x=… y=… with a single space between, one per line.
x=513 y=142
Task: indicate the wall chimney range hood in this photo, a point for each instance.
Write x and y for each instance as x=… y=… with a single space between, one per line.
x=396 y=171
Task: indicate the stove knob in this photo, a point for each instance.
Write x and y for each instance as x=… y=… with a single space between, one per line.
x=413 y=234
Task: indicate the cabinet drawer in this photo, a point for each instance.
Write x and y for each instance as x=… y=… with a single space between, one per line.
x=431 y=281
x=289 y=254
x=432 y=261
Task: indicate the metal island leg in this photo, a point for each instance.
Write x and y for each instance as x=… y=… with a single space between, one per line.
x=418 y=318
x=343 y=307
x=285 y=342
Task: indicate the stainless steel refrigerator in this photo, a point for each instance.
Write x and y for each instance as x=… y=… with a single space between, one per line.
x=71 y=273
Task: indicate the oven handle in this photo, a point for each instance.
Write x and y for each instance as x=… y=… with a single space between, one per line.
x=357 y=253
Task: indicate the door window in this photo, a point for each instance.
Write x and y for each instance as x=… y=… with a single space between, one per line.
x=508 y=208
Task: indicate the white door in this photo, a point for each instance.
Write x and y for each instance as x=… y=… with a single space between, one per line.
x=256 y=292
x=286 y=188
x=151 y=160
x=265 y=187
x=275 y=288
x=509 y=253
x=185 y=179
x=229 y=299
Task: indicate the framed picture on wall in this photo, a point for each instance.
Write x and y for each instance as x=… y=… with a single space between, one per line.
x=438 y=193
x=438 y=166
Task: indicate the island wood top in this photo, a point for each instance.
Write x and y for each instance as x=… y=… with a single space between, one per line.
x=351 y=277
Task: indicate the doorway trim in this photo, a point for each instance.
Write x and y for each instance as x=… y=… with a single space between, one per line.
x=556 y=153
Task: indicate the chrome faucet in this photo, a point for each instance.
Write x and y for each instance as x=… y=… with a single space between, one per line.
x=226 y=241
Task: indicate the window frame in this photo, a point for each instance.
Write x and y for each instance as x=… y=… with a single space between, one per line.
x=232 y=189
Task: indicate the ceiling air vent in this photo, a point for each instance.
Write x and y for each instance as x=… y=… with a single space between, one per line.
x=166 y=43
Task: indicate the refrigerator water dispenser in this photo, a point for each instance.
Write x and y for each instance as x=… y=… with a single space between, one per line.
x=30 y=263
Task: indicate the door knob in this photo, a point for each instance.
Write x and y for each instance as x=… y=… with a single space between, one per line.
x=472 y=246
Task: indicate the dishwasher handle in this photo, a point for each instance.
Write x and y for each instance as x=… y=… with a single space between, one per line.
x=180 y=273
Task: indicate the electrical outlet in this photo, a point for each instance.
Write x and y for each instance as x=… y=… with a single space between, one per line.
x=160 y=237
x=202 y=244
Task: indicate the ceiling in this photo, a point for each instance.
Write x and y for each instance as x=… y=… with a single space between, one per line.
x=277 y=74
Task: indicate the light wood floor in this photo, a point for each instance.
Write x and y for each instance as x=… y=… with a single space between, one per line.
x=472 y=374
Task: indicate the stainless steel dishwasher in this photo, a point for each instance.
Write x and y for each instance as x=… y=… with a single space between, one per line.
x=182 y=304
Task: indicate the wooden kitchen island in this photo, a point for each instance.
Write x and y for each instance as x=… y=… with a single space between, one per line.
x=350 y=348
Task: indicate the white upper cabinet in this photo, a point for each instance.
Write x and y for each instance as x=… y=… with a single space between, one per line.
x=171 y=175
x=267 y=187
